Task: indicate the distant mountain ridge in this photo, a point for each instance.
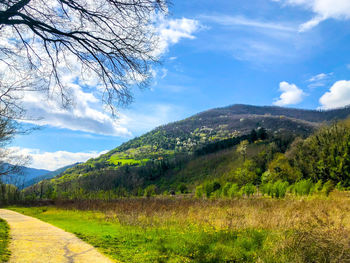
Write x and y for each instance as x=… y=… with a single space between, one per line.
x=24 y=175
x=48 y=175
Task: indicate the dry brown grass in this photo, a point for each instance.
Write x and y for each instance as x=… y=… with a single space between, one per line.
x=314 y=229
x=242 y=213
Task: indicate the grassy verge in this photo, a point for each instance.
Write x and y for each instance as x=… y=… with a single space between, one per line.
x=246 y=230
x=4 y=240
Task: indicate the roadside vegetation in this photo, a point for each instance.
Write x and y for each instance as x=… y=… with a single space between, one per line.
x=259 y=229
x=4 y=240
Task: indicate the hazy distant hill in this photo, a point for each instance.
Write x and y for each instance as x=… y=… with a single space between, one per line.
x=48 y=175
x=21 y=178
x=207 y=127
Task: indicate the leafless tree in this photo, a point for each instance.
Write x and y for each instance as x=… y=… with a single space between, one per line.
x=108 y=44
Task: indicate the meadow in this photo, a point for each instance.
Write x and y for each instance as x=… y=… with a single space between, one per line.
x=4 y=240
x=183 y=229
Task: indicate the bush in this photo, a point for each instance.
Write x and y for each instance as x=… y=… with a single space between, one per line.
x=211 y=187
x=248 y=189
x=199 y=191
x=280 y=169
x=182 y=188
x=317 y=187
x=226 y=189
x=246 y=174
x=150 y=190
x=277 y=189
x=339 y=186
x=303 y=187
x=280 y=189
x=328 y=187
x=234 y=191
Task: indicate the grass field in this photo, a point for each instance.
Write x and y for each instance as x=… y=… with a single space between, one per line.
x=4 y=239
x=189 y=230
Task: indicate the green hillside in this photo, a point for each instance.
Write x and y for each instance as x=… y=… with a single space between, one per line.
x=189 y=152
x=207 y=127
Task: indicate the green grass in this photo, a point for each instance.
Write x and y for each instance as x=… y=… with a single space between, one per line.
x=172 y=243
x=259 y=229
x=120 y=161
x=4 y=240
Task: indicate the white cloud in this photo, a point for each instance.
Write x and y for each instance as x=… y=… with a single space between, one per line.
x=54 y=160
x=86 y=115
x=337 y=96
x=174 y=29
x=171 y=31
x=259 y=41
x=323 y=9
x=318 y=77
x=291 y=94
x=164 y=73
x=320 y=80
x=226 y=20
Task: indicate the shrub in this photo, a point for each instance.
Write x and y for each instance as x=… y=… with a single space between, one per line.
x=150 y=190
x=280 y=189
x=234 y=191
x=211 y=187
x=182 y=188
x=248 y=189
x=339 y=186
x=246 y=174
x=328 y=187
x=267 y=189
x=199 y=191
x=226 y=189
x=277 y=189
x=280 y=169
x=303 y=187
x=317 y=187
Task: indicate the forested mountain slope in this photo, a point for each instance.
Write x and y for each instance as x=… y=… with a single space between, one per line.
x=207 y=127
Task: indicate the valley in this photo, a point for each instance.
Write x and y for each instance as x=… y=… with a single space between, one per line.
x=263 y=184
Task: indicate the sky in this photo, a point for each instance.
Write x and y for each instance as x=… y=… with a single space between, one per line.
x=291 y=53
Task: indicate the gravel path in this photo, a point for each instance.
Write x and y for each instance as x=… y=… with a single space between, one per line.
x=33 y=240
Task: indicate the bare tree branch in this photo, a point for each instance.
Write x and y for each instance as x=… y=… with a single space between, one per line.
x=114 y=42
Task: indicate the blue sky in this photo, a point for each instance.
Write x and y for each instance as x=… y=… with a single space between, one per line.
x=293 y=53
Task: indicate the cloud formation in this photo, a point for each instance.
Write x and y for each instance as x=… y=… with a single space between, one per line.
x=54 y=160
x=323 y=10
x=171 y=31
x=260 y=41
x=319 y=80
x=291 y=94
x=226 y=20
x=337 y=96
x=87 y=114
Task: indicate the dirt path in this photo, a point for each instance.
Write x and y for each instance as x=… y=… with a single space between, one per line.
x=35 y=241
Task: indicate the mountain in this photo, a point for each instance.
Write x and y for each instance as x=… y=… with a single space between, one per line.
x=24 y=175
x=209 y=126
x=168 y=154
x=48 y=175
